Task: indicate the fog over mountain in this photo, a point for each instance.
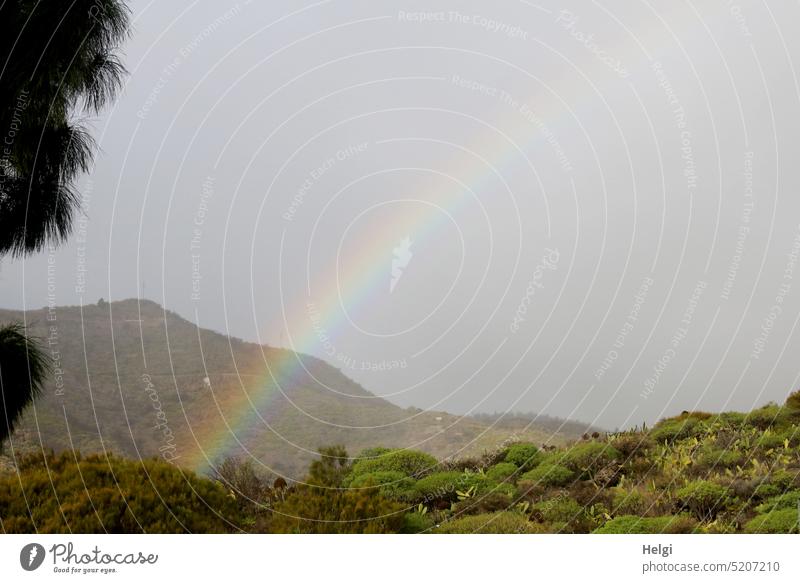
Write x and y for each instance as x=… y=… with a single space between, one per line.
x=585 y=210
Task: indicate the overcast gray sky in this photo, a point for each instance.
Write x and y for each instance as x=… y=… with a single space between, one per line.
x=585 y=209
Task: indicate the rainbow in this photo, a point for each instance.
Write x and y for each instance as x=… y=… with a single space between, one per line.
x=366 y=273
x=243 y=411
x=236 y=412
x=239 y=412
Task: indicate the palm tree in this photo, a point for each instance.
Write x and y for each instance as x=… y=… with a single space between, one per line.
x=57 y=62
x=23 y=369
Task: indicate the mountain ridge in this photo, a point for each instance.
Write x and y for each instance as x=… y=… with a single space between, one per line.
x=151 y=383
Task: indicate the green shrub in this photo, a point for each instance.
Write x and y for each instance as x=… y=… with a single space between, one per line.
x=590 y=456
x=564 y=514
x=558 y=509
x=699 y=415
x=789 y=417
x=764 y=417
x=632 y=444
x=703 y=498
x=780 y=502
x=376 y=479
x=732 y=420
x=502 y=472
x=785 y=479
x=490 y=487
x=743 y=487
x=680 y=524
x=523 y=455
x=549 y=474
x=776 y=522
x=319 y=510
x=391 y=484
x=331 y=469
x=770 y=440
x=483 y=504
x=465 y=463
x=714 y=458
x=440 y=486
x=472 y=479
x=495 y=523
x=628 y=501
x=789 y=434
x=676 y=428
x=728 y=524
x=415 y=522
x=793 y=401
x=765 y=491
x=244 y=480
x=472 y=484
x=406 y=461
x=69 y=493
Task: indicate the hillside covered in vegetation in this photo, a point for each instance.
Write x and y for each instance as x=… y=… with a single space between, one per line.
x=138 y=380
x=695 y=473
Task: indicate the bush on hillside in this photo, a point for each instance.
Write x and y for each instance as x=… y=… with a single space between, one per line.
x=589 y=457
x=680 y=524
x=629 y=502
x=416 y=522
x=549 y=474
x=502 y=472
x=68 y=493
x=331 y=468
x=440 y=486
x=483 y=504
x=394 y=485
x=775 y=522
x=247 y=483
x=780 y=502
x=765 y=417
x=318 y=510
x=712 y=458
x=703 y=498
x=676 y=428
x=406 y=461
x=770 y=440
x=732 y=420
x=487 y=487
x=765 y=491
x=523 y=455
x=558 y=509
x=786 y=479
x=496 y=523
x=632 y=444
x=793 y=401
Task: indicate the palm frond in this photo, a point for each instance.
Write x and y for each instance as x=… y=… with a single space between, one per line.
x=61 y=57
x=24 y=366
x=34 y=213
x=102 y=80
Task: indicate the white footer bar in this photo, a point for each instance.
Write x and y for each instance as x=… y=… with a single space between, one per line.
x=352 y=558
